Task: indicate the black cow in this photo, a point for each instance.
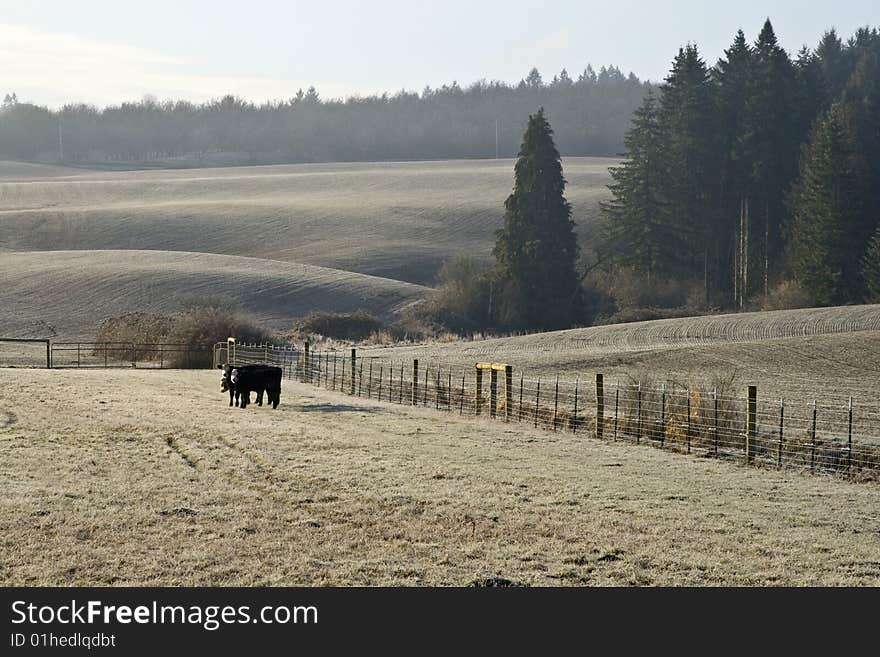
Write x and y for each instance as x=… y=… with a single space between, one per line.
x=240 y=381
x=226 y=384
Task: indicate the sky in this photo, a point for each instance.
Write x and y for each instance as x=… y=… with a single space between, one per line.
x=106 y=51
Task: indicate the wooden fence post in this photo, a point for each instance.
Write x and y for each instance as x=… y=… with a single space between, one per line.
x=415 y=382
x=781 y=425
x=600 y=405
x=334 y=371
x=381 y=370
x=478 y=390
x=849 y=439
x=639 y=414
x=425 y=391
x=520 y=414
x=663 y=416
x=353 y=364
x=537 y=400
x=493 y=392
x=751 y=420
x=715 y=404
x=556 y=403
x=813 y=446
x=370 y=381
x=689 y=419
x=574 y=417
x=461 y=400
x=304 y=377
x=616 y=403
x=508 y=391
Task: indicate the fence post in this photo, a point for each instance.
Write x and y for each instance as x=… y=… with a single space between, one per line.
x=751 y=420
x=425 y=391
x=715 y=404
x=415 y=383
x=342 y=376
x=304 y=376
x=437 y=391
x=390 y=381
x=449 y=391
x=849 y=440
x=781 y=424
x=400 y=385
x=334 y=371
x=133 y=354
x=493 y=391
x=353 y=364
x=370 y=381
x=520 y=415
x=461 y=401
x=574 y=417
x=360 y=377
x=508 y=391
x=663 y=416
x=48 y=356
x=537 y=400
x=600 y=406
x=616 y=403
x=813 y=446
x=639 y=413
x=478 y=390
x=381 y=371
x=556 y=403
x=77 y=354
x=689 y=419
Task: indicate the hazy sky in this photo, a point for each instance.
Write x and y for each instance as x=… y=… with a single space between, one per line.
x=105 y=51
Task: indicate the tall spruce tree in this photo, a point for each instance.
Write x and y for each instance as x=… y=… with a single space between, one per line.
x=770 y=143
x=688 y=117
x=638 y=220
x=826 y=211
x=732 y=77
x=537 y=249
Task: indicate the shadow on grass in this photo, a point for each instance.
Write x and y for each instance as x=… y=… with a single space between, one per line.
x=335 y=408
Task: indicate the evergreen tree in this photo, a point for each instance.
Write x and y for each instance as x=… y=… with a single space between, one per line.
x=537 y=250
x=871 y=268
x=731 y=77
x=688 y=118
x=770 y=143
x=826 y=210
x=639 y=228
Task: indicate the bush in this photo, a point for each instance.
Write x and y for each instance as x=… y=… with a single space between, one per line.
x=786 y=295
x=461 y=301
x=339 y=326
x=137 y=328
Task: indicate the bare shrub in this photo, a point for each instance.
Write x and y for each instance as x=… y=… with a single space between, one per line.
x=786 y=295
x=358 y=325
x=199 y=327
x=132 y=328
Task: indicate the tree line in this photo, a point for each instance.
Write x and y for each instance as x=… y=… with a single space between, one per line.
x=759 y=172
x=591 y=112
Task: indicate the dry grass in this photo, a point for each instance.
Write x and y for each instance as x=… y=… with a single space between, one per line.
x=816 y=353
x=149 y=478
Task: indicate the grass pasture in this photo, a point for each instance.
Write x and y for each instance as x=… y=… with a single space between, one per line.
x=133 y=477
x=394 y=220
x=69 y=293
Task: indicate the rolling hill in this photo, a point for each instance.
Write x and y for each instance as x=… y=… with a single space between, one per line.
x=395 y=220
x=67 y=294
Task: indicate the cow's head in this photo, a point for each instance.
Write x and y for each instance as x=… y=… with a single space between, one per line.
x=225 y=378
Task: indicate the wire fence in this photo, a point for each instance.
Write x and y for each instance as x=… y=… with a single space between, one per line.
x=128 y=354
x=835 y=435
